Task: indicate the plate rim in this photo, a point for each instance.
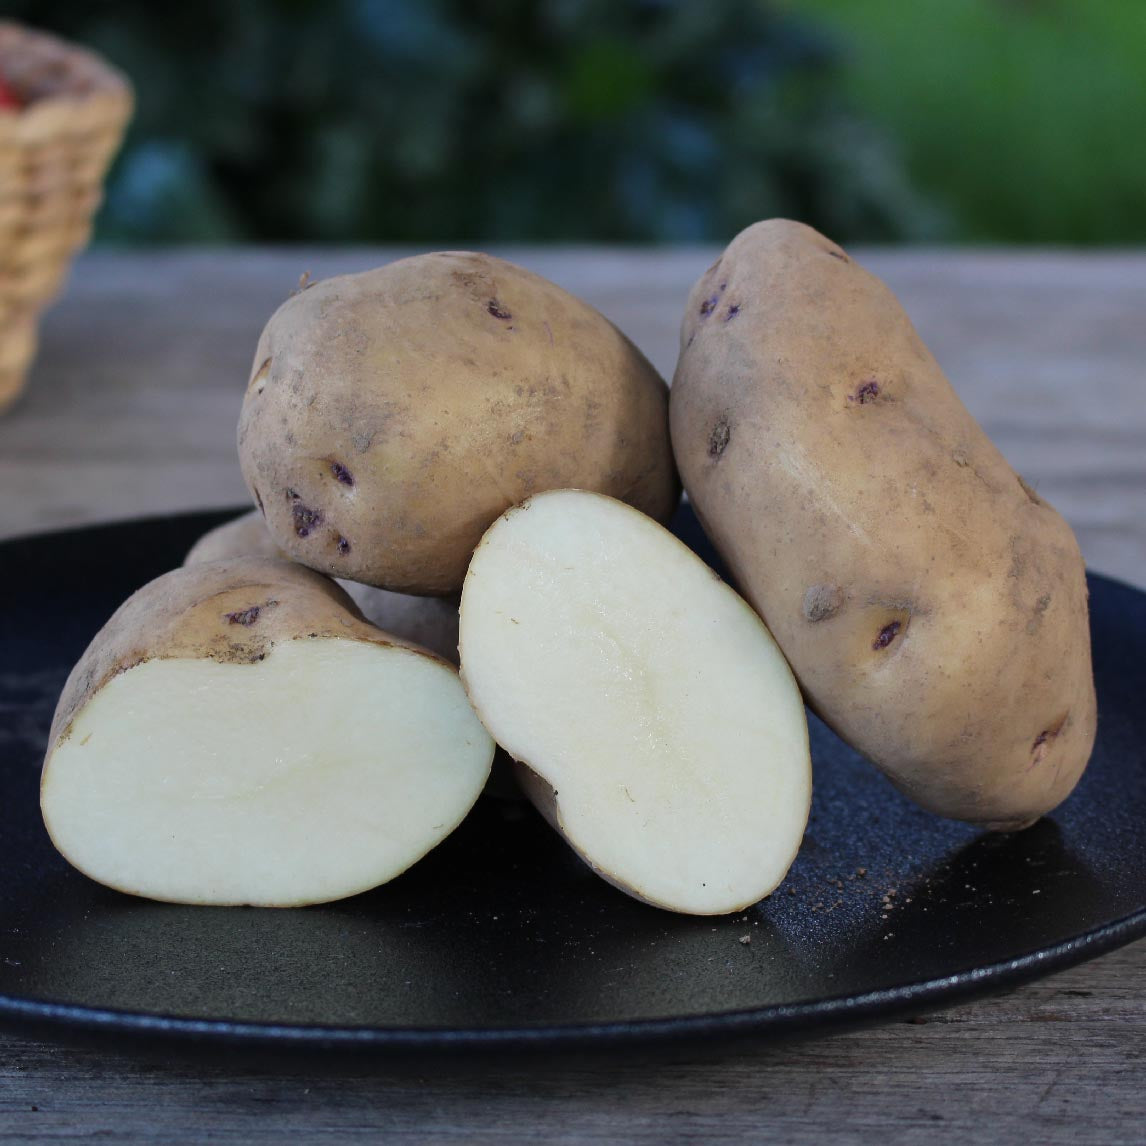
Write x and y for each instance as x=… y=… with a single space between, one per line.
x=776 y=1020
x=772 y=1021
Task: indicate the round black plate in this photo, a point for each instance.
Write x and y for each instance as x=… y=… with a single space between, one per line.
x=502 y=938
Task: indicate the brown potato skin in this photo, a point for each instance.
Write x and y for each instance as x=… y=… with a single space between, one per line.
x=233 y=612
x=393 y=415
x=244 y=536
x=431 y=622
x=933 y=607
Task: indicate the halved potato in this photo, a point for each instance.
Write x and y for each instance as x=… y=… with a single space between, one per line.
x=664 y=730
x=238 y=734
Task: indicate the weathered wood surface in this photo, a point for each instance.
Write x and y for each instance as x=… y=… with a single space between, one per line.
x=132 y=409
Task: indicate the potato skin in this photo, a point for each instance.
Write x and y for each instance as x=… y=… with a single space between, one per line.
x=431 y=622
x=232 y=611
x=933 y=607
x=393 y=415
x=244 y=536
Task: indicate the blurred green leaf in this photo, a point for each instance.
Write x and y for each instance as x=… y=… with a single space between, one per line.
x=455 y=121
x=606 y=81
x=1024 y=118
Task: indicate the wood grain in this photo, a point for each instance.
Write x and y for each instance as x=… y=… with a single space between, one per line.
x=132 y=409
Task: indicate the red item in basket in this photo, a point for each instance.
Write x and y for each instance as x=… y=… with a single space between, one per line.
x=8 y=99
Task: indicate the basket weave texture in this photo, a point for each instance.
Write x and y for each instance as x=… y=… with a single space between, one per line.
x=54 y=152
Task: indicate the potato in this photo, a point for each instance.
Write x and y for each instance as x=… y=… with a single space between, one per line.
x=932 y=605
x=663 y=733
x=238 y=734
x=428 y=621
x=243 y=536
x=391 y=416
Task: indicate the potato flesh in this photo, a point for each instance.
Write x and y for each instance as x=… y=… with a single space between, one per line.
x=601 y=652
x=322 y=771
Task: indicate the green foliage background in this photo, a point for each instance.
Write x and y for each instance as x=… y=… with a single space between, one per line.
x=1021 y=120
x=439 y=121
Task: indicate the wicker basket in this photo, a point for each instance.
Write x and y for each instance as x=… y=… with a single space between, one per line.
x=54 y=153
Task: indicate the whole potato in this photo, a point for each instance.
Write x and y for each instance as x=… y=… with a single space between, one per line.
x=933 y=607
x=392 y=416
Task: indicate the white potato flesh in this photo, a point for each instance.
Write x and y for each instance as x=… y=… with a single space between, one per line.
x=324 y=770
x=602 y=653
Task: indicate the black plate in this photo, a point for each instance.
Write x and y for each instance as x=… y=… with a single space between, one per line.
x=501 y=938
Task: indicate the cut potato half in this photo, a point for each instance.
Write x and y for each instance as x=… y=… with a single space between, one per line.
x=238 y=734
x=664 y=729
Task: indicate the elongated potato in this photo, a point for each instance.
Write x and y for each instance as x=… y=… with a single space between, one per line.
x=391 y=416
x=431 y=622
x=238 y=734
x=932 y=605
x=662 y=732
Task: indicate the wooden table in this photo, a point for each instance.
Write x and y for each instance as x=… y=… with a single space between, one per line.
x=132 y=409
